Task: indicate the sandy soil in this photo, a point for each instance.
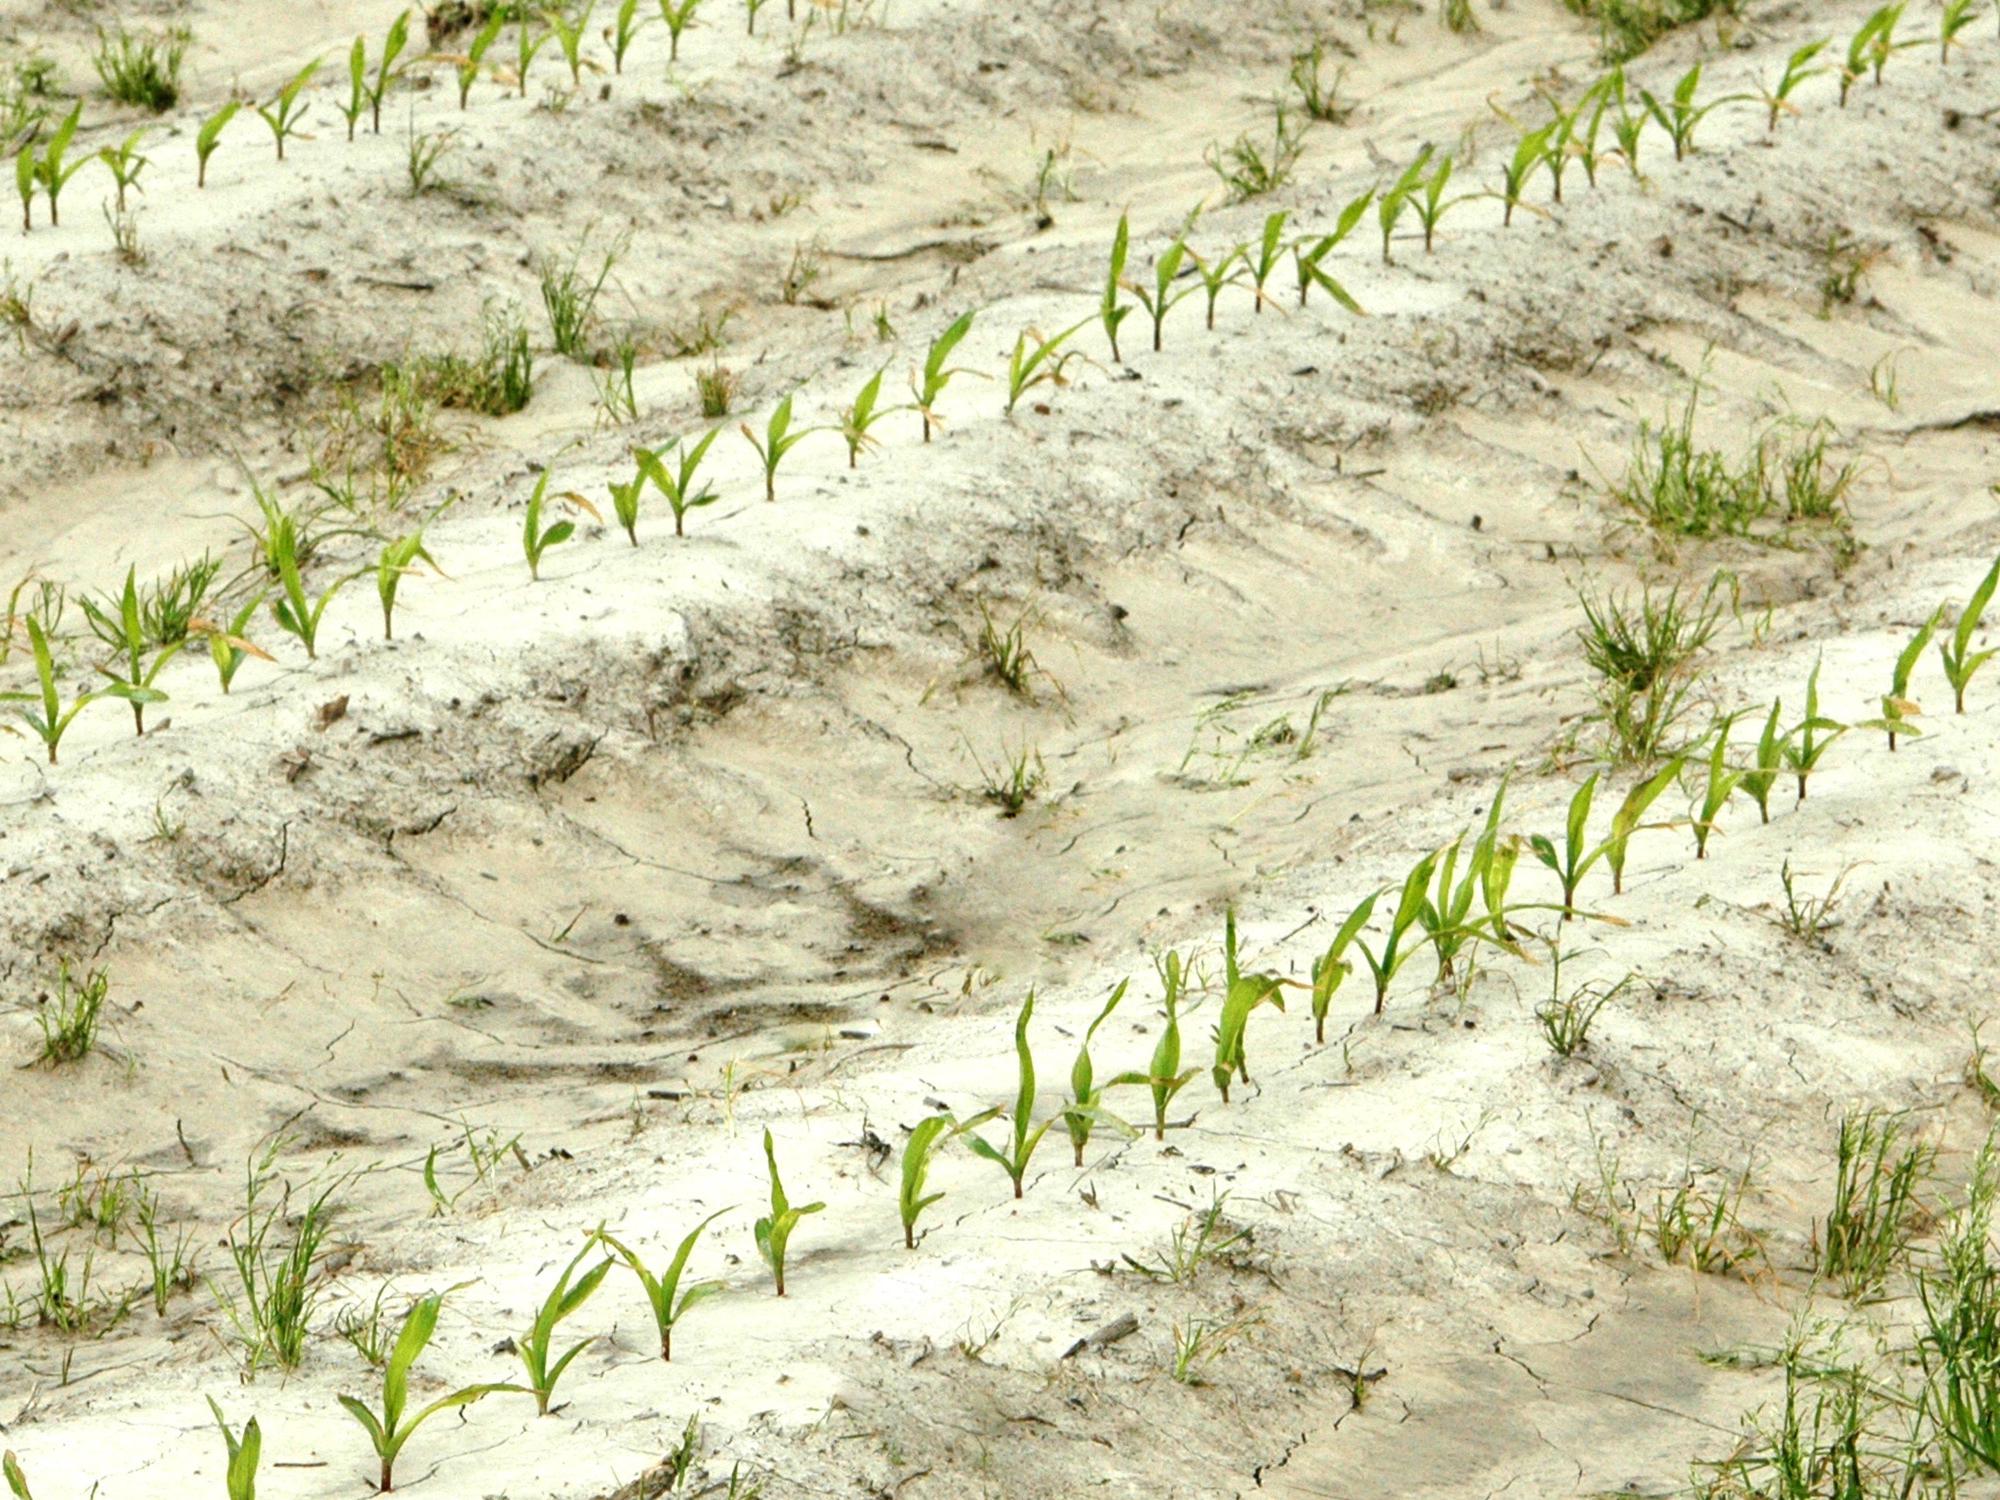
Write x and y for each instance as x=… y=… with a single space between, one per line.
x=686 y=841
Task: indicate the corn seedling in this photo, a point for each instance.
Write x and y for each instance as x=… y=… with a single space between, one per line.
x=398 y=559
x=1447 y=920
x=1043 y=363
x=1629 y=125
x=1218 y=272
x=678 y=483
x=1111 y=310
x=751 y=7
x=1809 y=918
x=527 y=42
x=1250 y=168
x=1309 y=255
x=1582 y=144
x=296 y=612
x=231 y=647
x=1576 y=857
x=1625 y=822
x=144 y=71
x=862 y=413
x=536 y=539
x=1877 y=31
x=126 y=163
x=1798 y=68
x=1678 y=114
x=1898 y=708
x=468 y=66
x=570 y=296
x=1086 y=1106
x=1164 y=1075
x=1530 y=154
x=569 y=27
x=1162 y=298
x=391 y=1431
x=1957 y=15
x=69 y=1019
x=931 y=1136
x=274 y=1278
x=778 y=439
x=1875 y=1209
x=51 y=171
x=1961 y=662
x=537 y=1345
x=1330 y=968
x=118 y=622
x=937 y=373
x=27 y=181
x=44 y=711
x=1242 y=994
x=357 y=85
x=1559 y=144
x=209 y=136
x=1389 y=207
x=1566 y=1018
x=663 y=1291
x=245 y=1450
x=1810 y=739
x=1385 y=964
x=625 y=27
x=1719 y=786
x=1432 y=205
x=774 y=1233
x=1024 y=1136
x=284 y=112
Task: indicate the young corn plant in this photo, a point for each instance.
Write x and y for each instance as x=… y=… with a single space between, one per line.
x=779 y=438
x=1626 y=821
x=1385 y=964
x=209 y=137
x=1809 y=740
x=1024 y=1136
x=1433 y=205
x=937 y=372
x=1164 y=1075
x=1961 y=662
x=284 y=113
x=1582 y=144
x=245 y=1451
x=1330 y=968
x=1397 y=197
x=625 y=27
x=231 y=647
x=126 y=163
x=678 y=483
x=1559 y=145
x=1898 y=708
x=1086 y=1106
x=1957 y=15
x=679 y=17
x=862 y=413
x=536 y=539
x=1574 y=860
x=1309 y=255
x=1719 y=786
x=44 y=712
x=10 y=1470
x=774 y=1233
x=930 y=1137
x=664 y=1294
x=357 y=85
x=1679 y=115
x=392 y=1430
x=1161 y=299
x=569 y=28
x=1870 y=48
x=1242 y=994
x=527 y=42
x=1270 y=253
x=27 y=181
x=467 y=67
x=1111 y=307
x=1218 y=272
x=1760 y=778
x=1042 y=364
x=52 y=171
x=1629 y=125
x=1530 y=154
x=296 y=612
x=1798 y=69
x=537 y=1345
x=397 y=561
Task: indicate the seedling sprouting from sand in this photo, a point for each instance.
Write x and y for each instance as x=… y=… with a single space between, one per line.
x=125 y=163
x=679 y=16
x=1447 y=920
x=751 y=7
x=528 y=42
x=284 y=112
x=536 y=539
x=1574 y=860
x=774 y=1232
x=1798 y=68
x=938 y=371
x=678 y=483
x=1679 y=115
x=1870 y=47
x=1270 y=251
x=1875 y=1209
x=1957 y=15
x=1394 y=952
x=1629 y=125
x=44 y=712
x=209 y=136
x=296 y=611
x=1582 y=143
x=1961 y=662
x=1086 y=1106
x=1242 y=994
x=1433 y=205
x=398 y=559
x=118 y=623
x=664 y=1295
x=778 y=439
x=1164 y=1075
x=1762 y=775
x=1625 y=822
x=10 y=1470
x=1023 y=1134
x=245 y=1450
x=1006 y=653
x=1041 y=362
x=1530 y=155
x=1396 y=197
x=230 y=648
x=1217 y=272
x=1111 y=308
x=1718 y=787
x=475 y=53
x=1331 y=967
x=1161 y=299
x=930 y=1137
x=1809 y=740
x=1898 y=708
x=1309 y=255
x=862 y=413
x=390 y=1431
x=51 y=171
x=625 y=26
x=569 y=28
x=1194 y=1242
x=537 y=1346
x=27 y=181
